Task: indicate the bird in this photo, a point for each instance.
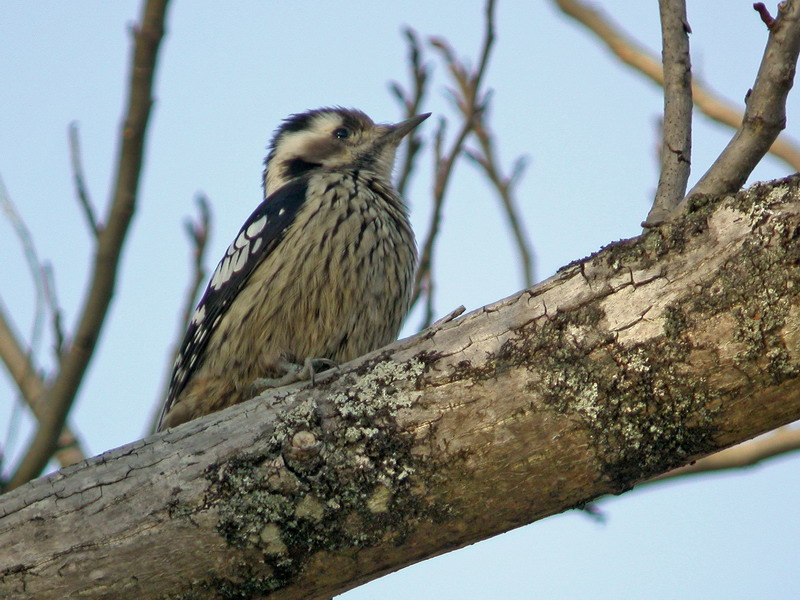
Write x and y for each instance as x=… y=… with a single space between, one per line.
x=320 y=273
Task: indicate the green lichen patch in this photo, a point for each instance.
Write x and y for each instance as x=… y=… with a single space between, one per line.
x=336 y=474
x=643 y=415
x=756 y=290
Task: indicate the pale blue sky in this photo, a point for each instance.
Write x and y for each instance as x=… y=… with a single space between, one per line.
x=229 y=72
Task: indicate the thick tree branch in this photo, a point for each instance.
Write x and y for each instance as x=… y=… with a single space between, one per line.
x=629 y=52
x=643 y=357
x=676 y=138
x=765 y=113
x=60 y=395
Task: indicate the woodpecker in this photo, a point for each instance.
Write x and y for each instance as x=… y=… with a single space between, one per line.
x=321 y=272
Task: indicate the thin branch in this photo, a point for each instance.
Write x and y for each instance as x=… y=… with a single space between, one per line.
x=470 y=105
x=31 y=257
x=81 y=189
x=764 y=14
x=412 y=103
x=18 y=362
x=41 y=274
x=49 y=282
x=198 y=231
x=765 y=112
x=754 y=452
x=709 y=103
x=61 y=394
x=488 y=162
x=676 y=139
x=31 y=387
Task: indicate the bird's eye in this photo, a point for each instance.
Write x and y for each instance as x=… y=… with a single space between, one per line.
x=341 y=133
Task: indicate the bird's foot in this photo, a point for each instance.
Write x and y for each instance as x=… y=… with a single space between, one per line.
x=293 y=373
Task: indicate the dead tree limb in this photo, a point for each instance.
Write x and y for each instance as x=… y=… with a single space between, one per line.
x=641 y=358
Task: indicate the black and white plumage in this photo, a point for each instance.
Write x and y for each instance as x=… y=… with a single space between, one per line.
x=322 y=269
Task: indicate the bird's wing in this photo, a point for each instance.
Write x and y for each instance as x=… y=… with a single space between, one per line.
x=257 y=239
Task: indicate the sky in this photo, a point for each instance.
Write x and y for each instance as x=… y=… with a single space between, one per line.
x=228 y=74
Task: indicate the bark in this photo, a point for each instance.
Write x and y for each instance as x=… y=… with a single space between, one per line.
x=641 y=358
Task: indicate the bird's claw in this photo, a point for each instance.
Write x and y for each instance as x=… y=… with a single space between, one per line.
x=293 y=373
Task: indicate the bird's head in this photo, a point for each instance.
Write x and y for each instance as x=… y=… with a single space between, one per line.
x=333 y=138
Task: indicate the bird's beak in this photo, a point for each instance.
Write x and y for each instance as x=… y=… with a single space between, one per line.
x=400 y=130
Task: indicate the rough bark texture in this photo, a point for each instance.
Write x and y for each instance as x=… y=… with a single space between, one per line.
x=641 y=358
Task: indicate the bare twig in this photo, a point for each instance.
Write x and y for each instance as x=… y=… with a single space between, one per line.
x=80 y=181
x=31 y=387
x=708 y=102
x=41 y=274
x=676 y=138
x=49 y=283
x=412 y=103
x=776 y=443
x=17 y=361
x=765 y=112
x=31 y=257
x=198 y=231
x=487 y=160
x=60 y=395
x=470 y=104
x=764 y=14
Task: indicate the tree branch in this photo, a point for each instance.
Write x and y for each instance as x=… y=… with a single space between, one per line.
x=646 y=356
x=749 y=454
x=17 y=360
x=60 y=395
x=709 y=103
x=81 y=190
x=412 y=103
x=198 y=232
x=470 y=104
x=487 y=160
x=765 y=113
x=676 y=139
x=31 y=388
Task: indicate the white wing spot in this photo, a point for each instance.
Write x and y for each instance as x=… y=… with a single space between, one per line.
x=256 y=245
x=256 y=226
x=199 y=315
x=241 y=259
x=281 y=211
x=216 y=278
x=225 y=270
x=241 y=240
